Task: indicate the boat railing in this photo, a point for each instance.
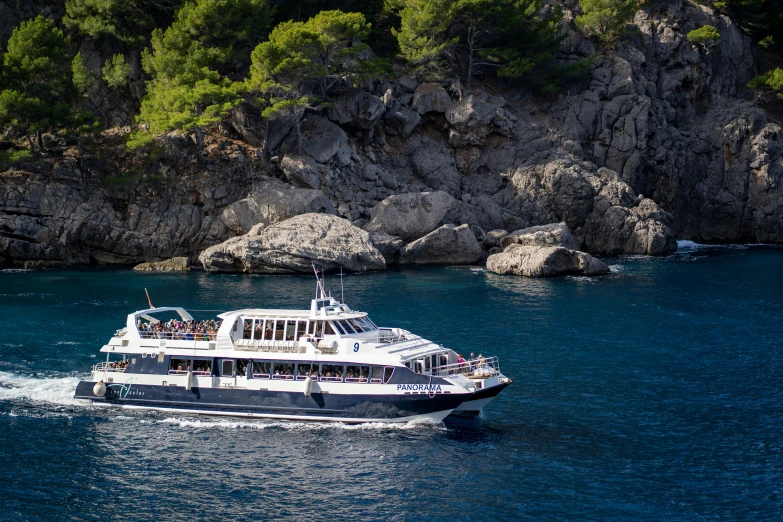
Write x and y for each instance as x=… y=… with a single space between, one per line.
x=390 y=336
x=108 y=367
x=252 y=345
x=178 y=336
x=477 y=368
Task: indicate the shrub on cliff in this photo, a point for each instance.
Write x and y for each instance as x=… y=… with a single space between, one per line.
x=128 y=22
x=606 y=19
x=36 y=79
x=706 y=36
x=190 y=63
x=465 y=38
x=771 y=80
x=302 y=61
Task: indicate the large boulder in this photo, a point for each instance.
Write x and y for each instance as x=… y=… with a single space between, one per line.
x=356 y=109
x=301 y=171
x=387 y=245
x=447 y=245
x=175 y=264
x=431 y=97
x=554 y=234
x=294 y=245
x=321 y=139
x=534 y=261
x=401 y=120
x=411 y=215
x=274 y=202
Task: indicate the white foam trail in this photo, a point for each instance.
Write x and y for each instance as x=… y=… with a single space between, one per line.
x=297 y=425
x=46 y=390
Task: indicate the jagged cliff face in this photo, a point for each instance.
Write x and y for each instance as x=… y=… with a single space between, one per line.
x=658 y=145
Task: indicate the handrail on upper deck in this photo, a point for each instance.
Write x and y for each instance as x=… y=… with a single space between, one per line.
x=477 y=367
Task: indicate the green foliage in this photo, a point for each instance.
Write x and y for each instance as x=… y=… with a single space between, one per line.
x=467 y=37
x=126 y=21
x=720 y=5
x=771 y=80
x=766 y=42
x=138 y=138
x=217 y=34
x=13 y=158
x=606 y=19
x=328 y=44
x=37 y=77
x=82 y=76
x=116 y=71
x=190 y=60
x=703 y=35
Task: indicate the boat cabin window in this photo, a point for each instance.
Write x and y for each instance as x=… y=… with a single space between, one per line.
x=347 y=327
x=357 y=325
x=241 y=365
x=336 y=326
x=357 y=374
x=227 y=368
x=290 y=330
x=258 y=329
x=381 y=374
x=332 y=372
x=247 y=329
x=279 y=329
x=262 y=369
x=202 y=367
x=305 y=370
x=283 y=370
x=301 y=329
x=179 y=366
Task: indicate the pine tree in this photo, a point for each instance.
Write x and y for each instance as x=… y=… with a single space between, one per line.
x=300 y=55
x=189 y=63
x=465 y=38
x=37 y=79
x=606 y=18
x=128 y=22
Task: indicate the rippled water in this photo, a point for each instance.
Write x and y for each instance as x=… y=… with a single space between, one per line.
x=653 y=393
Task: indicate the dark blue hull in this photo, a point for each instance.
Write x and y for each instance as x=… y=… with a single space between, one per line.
x=275 y=404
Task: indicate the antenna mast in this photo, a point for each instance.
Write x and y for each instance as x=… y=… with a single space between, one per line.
x=342 y=292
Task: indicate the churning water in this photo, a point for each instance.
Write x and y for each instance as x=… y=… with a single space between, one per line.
x=653 y=393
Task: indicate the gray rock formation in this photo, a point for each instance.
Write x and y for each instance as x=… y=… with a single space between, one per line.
x=410 y=216
x=321 y=139
x=176 y=264
x=271 y=203
x=555 y=234
x=387 y=245
x=292 y=246
x=534 y=261
x=431 y=97
x=301 y=171
x=356 y=109
x=447 y=245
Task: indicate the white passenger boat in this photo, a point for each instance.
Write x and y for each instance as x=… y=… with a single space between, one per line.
x=328 y=363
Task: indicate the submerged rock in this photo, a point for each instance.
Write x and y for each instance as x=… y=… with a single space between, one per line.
x=294 y=245
x=447 y=245
x=176 y=264
x=533 y=261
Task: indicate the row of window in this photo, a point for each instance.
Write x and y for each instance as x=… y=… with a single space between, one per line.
x=282 y=370
x=293 y=329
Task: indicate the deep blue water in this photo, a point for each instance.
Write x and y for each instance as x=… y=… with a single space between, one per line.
x=653 y=393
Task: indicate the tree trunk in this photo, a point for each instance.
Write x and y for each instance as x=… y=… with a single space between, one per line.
x=265 y=150
x=299 y=147
x=199 y=144
x=471 y=50
x=40 y=141
x=32 y=145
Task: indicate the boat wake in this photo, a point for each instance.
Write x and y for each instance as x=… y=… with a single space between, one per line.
x=40 y=390
x=190 y=423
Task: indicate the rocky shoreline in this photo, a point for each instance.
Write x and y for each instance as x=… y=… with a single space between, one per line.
x=662 y=144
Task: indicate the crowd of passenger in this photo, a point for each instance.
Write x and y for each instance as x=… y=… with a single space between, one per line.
x=117 y=365
x=183 y=330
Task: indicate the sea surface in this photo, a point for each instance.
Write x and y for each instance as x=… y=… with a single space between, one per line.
x=653 y=393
